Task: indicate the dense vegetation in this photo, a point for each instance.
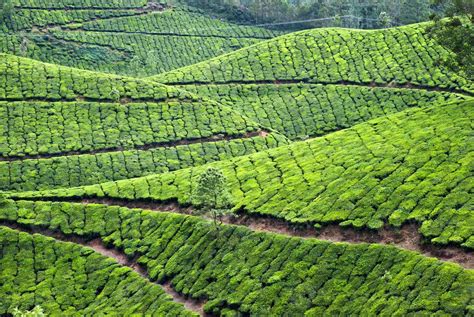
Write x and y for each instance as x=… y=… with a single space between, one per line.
x=264 y=274
x=345 y=135
x=132 y=39
x=410 y=166
x=395 y=56
x=70 y=280
x=308 y=110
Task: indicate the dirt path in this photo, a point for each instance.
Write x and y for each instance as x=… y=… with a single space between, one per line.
x=406 y=237
x=98 y=246
x=145 y=147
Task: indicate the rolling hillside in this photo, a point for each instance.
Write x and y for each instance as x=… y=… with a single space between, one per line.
x=412 y=166
x=139 y=38
x=347 y=156
x=309 y=83
x=81 y=127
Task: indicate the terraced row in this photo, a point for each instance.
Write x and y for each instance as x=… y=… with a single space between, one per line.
x=240 y=271
x=392 y=56
x=415 y=165
x=36 y=128
x=66 y=4
x=70 y=280
x=123 y=41
x=87 y=169
x=178 y=22
x=25 y=19
x=23 y=79
x=307 y=110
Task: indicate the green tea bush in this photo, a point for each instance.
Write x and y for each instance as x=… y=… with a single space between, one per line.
x=307 y=110
x=70 y=280
x=249 y=273
x=413 y=166
x=403 y=55
x=24 y=78
x=54 y=127
x=81 y=4
x=87 y=169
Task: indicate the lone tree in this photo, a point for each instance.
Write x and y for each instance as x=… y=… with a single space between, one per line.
x=211 y=195
x=6 y=11
x=385 y=20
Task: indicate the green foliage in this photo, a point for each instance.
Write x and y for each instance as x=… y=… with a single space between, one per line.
x=66 y=279
x=389 y=170
x=457 y=34
x=183 y=36
x=211 y=194
x=299 y=111
x=86 y=169
x=6 y=11
x=404 y=56
x=247 y=272
x=37 y=311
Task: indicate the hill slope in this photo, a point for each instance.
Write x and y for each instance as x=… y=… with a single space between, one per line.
x=80 y=127
x=137 y=38
x=398 y=56
x=410 y=166
x=245 y=272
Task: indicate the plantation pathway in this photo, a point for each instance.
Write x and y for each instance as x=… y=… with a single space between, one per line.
x=98 y=246
x=407 y=237
x=145 y=147
x=309 y=81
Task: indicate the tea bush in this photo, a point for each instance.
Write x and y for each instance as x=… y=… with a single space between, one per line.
x=307 y=110
x=70 y=280
x=415 y=165
x=250 y=273
x=401 y=55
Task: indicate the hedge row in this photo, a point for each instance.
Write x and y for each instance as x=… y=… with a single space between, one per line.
x=58 y=4
x=54 y=127
x=415 y=165
x=146 y=54
x=400 y=55
x=262 y=274
x=179 y=22
x=305 y=110
x=78 y=170
x=70 y=280
x=28 y=19
x=23 y=78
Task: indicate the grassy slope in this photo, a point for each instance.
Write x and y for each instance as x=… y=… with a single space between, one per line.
x=412 y=166
x=241 y=271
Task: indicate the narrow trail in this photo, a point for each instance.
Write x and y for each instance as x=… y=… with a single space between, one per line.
x=407 y=237
x=309 y=81
x=98 y=246
x=145 y=147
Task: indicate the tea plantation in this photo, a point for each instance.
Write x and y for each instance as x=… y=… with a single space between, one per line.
x=156 y=160
x=139 y=38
